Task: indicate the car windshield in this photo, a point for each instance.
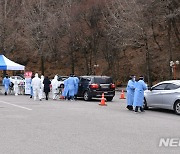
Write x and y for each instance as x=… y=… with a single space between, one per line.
x=103 y=80
x=64 y=78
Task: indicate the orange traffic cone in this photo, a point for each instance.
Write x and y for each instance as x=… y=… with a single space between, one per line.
x=103 y=103
x=122 y=96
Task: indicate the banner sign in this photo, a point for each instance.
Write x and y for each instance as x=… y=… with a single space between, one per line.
x=27 y=76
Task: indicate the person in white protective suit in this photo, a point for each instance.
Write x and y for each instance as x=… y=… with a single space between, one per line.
x=42 y=88
x=36 y=84
x=55 y=85
x=16 y=88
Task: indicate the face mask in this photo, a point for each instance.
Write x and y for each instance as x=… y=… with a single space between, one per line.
x=133 y=79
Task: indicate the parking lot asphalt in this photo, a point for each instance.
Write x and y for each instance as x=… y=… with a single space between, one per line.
x=79 y=127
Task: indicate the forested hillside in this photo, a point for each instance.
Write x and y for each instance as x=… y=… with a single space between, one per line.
x=103 y=37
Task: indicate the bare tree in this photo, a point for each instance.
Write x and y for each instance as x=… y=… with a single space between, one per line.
x=9 y=10
x=128 y=26
x=8 y=26
x=166 y=14
x=36 y=26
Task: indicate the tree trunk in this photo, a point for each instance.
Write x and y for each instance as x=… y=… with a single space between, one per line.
x=86 y=62
x=148 y=70
x=176 y=31
x=170 y=49
x=72 y=63
x=42 y=64
x=154 y=36
x=4 y=73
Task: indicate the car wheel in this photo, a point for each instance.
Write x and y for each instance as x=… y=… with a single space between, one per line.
x=109 y=98
x=145 y=104
x=177 y=107
x=86 y=96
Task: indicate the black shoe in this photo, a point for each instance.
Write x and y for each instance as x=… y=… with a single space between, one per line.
x=129 y=107
x=141 y=109
x=30 y=96
x=46 y=98
x=136 y=109
x=5 y=93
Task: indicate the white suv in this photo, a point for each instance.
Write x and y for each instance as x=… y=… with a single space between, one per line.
x=61 y=80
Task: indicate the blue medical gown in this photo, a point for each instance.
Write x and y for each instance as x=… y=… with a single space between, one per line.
x=31 y=88
x=76 y=85
x=71 y=86
x=130 y=92
x=6 y=83
x=140 y=87
x=65 y=92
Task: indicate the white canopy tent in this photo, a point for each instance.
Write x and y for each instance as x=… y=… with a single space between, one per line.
x=7 y=64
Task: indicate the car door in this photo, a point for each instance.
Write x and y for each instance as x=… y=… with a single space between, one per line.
x=154 y=97
x=83 y=84
x=168 y=95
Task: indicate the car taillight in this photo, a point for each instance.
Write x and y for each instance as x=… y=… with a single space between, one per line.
x=113 y=86
x=94 y=86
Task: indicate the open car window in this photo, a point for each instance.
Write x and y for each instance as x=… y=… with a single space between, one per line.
x=84 y=80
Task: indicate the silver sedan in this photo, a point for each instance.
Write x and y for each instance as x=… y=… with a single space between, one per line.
x=164 y=95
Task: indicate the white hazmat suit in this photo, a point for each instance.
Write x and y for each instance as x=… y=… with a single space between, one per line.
x=16 y=88
x=55 y=85
x=36 y=84
x=42 y=87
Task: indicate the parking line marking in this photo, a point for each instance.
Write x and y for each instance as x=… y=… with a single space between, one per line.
x=16 y=105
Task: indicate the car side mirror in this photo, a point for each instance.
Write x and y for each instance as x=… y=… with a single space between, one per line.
x=150 y=88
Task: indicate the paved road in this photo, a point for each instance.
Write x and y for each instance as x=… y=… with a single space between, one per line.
x=78 y=127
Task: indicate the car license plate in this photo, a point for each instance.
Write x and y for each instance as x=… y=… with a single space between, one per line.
x=104 y=86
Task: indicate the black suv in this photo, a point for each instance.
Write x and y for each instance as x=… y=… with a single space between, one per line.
x=94 y=86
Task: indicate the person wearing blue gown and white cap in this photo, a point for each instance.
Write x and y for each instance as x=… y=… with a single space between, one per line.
x=130 y=92
x=6 y=82
x=140 y=87
x=71 y=87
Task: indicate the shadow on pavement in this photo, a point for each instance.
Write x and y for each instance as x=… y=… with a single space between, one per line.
x=161 y=110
